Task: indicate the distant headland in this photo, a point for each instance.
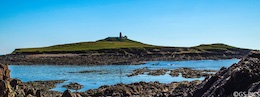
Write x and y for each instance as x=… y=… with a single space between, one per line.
x=118 y=50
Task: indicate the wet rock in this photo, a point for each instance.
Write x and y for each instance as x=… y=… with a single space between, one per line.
x=241 y=77
x=140 y=89
x=68 y=93
x=186 y=72
x=42 y=85
x=74 y=86
x=139 y=71
x=88 y=71
x=191 y=73
x=158 y=72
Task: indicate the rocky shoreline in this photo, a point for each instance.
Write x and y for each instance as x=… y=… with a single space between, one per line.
x=16 y=88
x=119 y=56
x=184 y=72
x=241 y=77
x=142 y=89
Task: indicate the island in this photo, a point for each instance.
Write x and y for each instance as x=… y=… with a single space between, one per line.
x=118 y=50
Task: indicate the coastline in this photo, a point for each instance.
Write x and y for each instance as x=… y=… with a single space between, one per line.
x=113 y=58
x=241 y=76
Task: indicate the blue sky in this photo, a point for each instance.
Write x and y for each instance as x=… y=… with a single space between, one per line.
x=38 y=23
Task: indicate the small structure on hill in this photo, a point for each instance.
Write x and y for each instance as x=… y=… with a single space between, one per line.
x=121 y=37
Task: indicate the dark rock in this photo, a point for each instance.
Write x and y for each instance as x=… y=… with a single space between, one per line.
x=74 y=86
x=191 y=73
x=15 y=82
x=38 y=93
x=31 y=91
x=68 y=93
x=119 y=56
x=6 y=89
x=255 y=87
x=139 y=71
x=88 y=71
x=42 y=85
x=158 y=72
x=141 y=89
x=2 y=88
x=241 y=77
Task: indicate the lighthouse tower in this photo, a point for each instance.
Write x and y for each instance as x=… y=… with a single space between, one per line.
x=120 y=36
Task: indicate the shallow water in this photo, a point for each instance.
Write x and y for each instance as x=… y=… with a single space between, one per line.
x=110 y=74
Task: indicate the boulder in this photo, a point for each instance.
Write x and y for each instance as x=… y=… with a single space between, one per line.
x=4 y=72
x=38 y=93
x=20 y=93
x=6 y=89
x=241 y=77
x=2 y=88
x=15 y=82
x=29 y=95
x=68 y=93
x=31 y=91
x=74 y=86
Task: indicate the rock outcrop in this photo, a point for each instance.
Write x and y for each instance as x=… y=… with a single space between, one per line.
x=5 y=87
x=142 y=89
x=121 y=56
x=68 y=93
x=241 y=78
x=191 y=73
x=73 y=86
x=4 y=72
x=185 y=72
x=16 y=88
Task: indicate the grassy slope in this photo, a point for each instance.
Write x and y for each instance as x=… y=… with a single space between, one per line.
x=108 y=43
x=214 y=47
x=116 y=43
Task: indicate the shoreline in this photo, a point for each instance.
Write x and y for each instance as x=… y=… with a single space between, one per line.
x=242 y=76
x=141 y=63
x=108 y=59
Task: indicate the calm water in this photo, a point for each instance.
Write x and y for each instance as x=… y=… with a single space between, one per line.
x=110 y=74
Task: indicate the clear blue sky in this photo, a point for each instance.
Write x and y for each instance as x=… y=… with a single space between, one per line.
x=37 y=23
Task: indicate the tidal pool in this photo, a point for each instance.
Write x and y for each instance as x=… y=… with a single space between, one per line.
x=96 y=76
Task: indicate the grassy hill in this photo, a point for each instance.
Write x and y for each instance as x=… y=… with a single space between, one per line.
x=214 y=47
x=116 y=43
x=107 y=43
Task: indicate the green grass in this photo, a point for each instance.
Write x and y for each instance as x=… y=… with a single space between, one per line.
x=116 y=43
x=213 y=47
x=108 y=43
